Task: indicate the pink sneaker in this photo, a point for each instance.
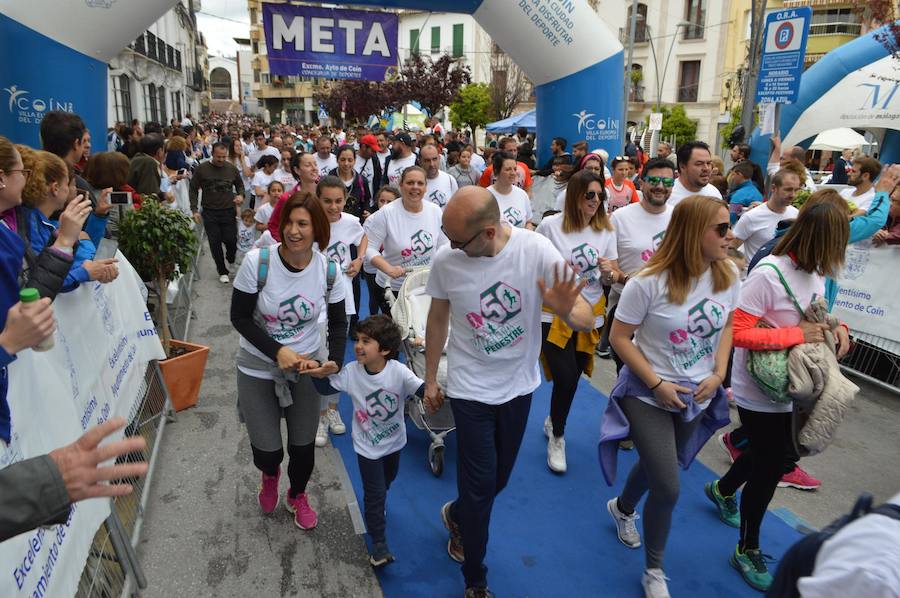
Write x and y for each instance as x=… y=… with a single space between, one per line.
x=304 y=516
x=725 y=442
x=268 y=492
x=799 y=479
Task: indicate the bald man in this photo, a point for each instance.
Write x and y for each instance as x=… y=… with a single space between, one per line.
x=490 y=284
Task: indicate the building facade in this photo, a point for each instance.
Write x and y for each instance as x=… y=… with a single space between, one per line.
x=163 y=74
x=224 y=83
x=249 y=103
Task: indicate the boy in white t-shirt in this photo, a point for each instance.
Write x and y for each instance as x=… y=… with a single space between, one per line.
x=378 y=385
x=246 y=234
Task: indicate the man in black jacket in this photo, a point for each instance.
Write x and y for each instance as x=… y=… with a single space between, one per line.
x=557 y=148
x=223 y=189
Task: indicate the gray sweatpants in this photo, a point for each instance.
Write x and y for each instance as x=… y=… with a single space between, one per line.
x=657 y=435
x=262 y=414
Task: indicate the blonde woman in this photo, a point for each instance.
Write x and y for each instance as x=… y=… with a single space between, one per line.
x=668 y=398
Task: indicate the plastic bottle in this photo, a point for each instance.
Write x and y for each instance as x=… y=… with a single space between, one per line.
x=30 y=295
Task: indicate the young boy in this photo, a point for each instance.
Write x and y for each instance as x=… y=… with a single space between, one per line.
x=246 y=233
x=743 y=192
x=378 y=386
x=264 y=211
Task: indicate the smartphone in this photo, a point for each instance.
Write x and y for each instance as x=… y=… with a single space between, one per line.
x=120 y=198
x=182 y=171
x=107 y=249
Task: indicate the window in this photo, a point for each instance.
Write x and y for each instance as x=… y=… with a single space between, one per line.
x=176 y=105
x=122 y=98
x=689 y=81
x=252 y=16
x=151 y=110
x=254 y=47
x=178 y=60
x=435 y=40
x=256 y=75
x=640 y=31
x=220 y=84
x=695 y=14
x=839 y=21
x=170 y=56
x=151 y=46
x=163 y=116
x=266 y=78
x=414 y=41
x=458 y=40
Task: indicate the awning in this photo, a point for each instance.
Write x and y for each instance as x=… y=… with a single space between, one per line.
x=509 y=125
x=837 y=140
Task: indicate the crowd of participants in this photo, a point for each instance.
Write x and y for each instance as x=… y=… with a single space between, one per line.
x=669 y=265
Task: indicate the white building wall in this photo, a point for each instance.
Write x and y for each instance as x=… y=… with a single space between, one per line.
x=476 y=43
x=230 y=65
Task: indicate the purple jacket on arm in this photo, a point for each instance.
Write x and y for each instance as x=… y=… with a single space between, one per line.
x=614 y=425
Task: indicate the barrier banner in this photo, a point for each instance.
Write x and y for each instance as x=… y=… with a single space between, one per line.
x=868 y=298
x=103 y=343
x=333 y=43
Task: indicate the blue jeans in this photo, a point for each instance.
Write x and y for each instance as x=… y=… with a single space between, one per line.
x=377 y=475
x=489 y=437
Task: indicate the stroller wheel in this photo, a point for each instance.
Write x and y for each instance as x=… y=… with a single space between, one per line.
x=436 y=459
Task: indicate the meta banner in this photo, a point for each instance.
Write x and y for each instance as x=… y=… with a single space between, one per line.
x=332 y=43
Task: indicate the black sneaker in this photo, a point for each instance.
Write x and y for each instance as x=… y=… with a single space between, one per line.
x=381 y=555
x=601 y=353
x=454 y=544
x=478 y=593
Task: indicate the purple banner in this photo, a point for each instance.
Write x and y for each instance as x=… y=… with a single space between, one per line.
x=332 y=43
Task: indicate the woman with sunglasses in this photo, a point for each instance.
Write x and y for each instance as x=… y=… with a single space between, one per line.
x=679 y=310
x=408 y=232
x=584 y=236
x=592 y=162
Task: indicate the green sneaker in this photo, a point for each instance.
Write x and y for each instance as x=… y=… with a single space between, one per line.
x=726 y=505
x=752 y=567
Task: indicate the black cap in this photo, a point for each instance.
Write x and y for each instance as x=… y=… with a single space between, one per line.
x=403 y=138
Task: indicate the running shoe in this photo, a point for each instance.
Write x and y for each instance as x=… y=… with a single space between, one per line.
x=654 y=583
x=724 y=441
x=268 y=492
x=322 y=432
x=224 y=279
x=727 y=506
x=556 y=454
x=478 y=593
x=799 y=479
x=380 y=555
x=335 y=423
x=626 y=444
x=625 y=527
x=752 y=566
x=454 y=544
x=602 y=353
x=548 y=427
x=304 y=516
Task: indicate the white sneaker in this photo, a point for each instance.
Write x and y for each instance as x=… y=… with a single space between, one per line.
x=654 y=584
x=224 y=279
x=322 y=432
x=548 y=427
x=556 y=454
x=625 y=527
x=335 y=424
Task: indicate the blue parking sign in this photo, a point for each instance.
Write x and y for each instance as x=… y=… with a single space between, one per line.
x=784 y=47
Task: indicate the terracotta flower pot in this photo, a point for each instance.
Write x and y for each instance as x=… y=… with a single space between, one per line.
x=184 y=374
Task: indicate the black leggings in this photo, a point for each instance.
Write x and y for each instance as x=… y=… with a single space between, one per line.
x=300 y=466
x=759 y=468
x=377 y=302
x=740 y=439
x=566 y=366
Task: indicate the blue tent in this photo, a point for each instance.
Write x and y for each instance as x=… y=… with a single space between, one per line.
x=509 y=125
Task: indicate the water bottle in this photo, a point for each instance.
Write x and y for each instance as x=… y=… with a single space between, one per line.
x=27 y=296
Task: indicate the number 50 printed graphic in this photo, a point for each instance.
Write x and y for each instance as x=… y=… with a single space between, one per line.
x=706 y=318
x=500 y=303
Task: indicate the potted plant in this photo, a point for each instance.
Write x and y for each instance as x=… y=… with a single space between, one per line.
x=159 y=242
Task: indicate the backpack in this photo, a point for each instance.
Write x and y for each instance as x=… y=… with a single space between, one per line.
x=262 y=272
x=800 y=559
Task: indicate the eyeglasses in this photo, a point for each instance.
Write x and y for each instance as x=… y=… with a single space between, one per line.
x=722 y=228
x=598 y=195
x=457 y=244
x=653 y=181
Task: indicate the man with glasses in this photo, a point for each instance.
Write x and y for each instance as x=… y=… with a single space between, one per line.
x=694 y=170
x=490 y=283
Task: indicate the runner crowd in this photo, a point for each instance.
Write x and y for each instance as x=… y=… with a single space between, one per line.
x=676 y=267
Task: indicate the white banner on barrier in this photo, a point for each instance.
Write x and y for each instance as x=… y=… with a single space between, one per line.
x=869 y=296
x=104 y=341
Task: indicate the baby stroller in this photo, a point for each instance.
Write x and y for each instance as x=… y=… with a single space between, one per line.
x=409 y=309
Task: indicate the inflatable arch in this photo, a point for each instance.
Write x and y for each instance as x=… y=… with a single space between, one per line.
x=60 y=52
x=855 y=85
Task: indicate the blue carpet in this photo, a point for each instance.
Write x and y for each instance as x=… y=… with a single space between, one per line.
x=551 y=535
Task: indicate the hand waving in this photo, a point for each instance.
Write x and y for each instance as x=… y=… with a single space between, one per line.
x=561 y=297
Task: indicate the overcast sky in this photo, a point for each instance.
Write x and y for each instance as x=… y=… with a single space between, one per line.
x=222 y=20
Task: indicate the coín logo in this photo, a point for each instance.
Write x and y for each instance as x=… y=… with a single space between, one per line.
x=31 y=110
x=595 y=128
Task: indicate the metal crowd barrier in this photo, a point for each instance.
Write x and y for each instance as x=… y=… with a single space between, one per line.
x=181 y=309
x=874 y=359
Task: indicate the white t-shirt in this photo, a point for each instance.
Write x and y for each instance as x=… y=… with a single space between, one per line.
x=757 y=227
x=246 y=237
x=440 y=189
x=265 y=240
x=378 y=425
x=410 y=239
x=582 y=250
x=679 y=341
x=495 y=316
x=257 y=153
x=396 y=168
x=763 y=295
x=261 y=179
x=285 y=178
x=560 y=200
x=264 y=213
x=345 y=233
x=382 y=158
x=325 y=165
x=477 y=162
x=638 y=236
x=679 y=192
x=240 y=166
x=290 y=302
x=367 y=169
x=515 y=206
x=862 y=201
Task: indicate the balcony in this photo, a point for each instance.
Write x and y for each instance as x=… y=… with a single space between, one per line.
x=637 y=94
x=641 y=34
x=255 y=34
x=196 y=81
x=851 y=29
x=155 y=49
x=688 y=93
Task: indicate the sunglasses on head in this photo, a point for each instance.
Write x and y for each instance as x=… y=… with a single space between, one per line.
x=598 y=195
x=722 y=228
x=667 y=182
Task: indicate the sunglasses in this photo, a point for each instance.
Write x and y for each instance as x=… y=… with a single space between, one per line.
x=598 y=195
x=668 y=182
x=722 y=228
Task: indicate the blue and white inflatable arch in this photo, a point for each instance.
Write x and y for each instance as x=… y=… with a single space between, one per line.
x=57 y=52
x=855 y=85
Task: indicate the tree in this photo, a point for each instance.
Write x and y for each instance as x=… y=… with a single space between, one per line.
x=676 y=123
x=509 y=85
x=431 y=83
x=359 y=99
x=472 y=107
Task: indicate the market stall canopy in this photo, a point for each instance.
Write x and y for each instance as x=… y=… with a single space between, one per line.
x=838 y=139
x=509 y=125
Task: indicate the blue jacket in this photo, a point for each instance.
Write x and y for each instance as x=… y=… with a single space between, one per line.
x=41 y=233
x=614 y=426
x=743 y=195
x=12 y=252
